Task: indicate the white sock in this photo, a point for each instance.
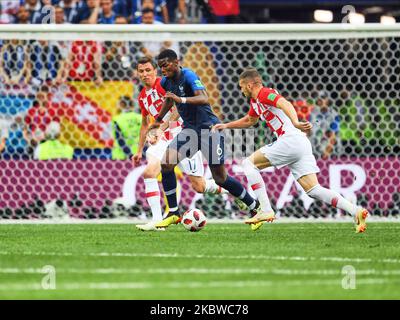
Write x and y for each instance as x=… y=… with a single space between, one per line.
x=153 y=198
x=333 y=198
x=257 y=185
x=212 y=187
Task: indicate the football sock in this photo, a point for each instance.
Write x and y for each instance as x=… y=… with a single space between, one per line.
x=153 y=198
x=236 y=189
x=212 y=187
x=333 y=198
x=169 y=184
x=257 y=185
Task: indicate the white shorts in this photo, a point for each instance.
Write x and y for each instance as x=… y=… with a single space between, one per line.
x=294 y=151
x=191 y=166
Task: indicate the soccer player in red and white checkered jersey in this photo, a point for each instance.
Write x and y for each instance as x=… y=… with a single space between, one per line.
x=292 y=148
x=150 y=100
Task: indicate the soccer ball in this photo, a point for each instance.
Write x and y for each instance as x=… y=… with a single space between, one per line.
x=194 y=220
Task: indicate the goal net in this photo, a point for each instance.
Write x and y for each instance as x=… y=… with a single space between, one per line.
x=63 y=88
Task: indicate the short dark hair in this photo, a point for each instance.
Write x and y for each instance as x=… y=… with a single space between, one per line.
x=168 y=54
x=147 y=10
x=250 y=73
x=145 y=60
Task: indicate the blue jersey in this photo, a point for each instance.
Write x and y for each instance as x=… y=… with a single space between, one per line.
x=199 y=116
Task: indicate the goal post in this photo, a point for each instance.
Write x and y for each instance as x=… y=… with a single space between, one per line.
x=70 y=82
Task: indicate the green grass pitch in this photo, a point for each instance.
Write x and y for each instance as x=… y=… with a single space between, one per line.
x=223 y=261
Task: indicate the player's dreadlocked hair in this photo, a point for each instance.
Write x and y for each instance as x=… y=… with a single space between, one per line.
x=169 y=54
x=250 y=73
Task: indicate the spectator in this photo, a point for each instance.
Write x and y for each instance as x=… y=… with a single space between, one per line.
x=121 y=20
x=121 y=8
x=89 y=12
x=52 y=148
x=70 y=11
x=303 y=109
x=116 y=61
x=379 y=116
x=148 y=17
x=177 y=11
x=80 y=4
x=9 y=10
x=353 y=122
x=23 y=16
x=16 y=140
x=326 y=124
x=85 y=61
x=64 y=49
x=158 y=7
x=59 y=15
x=126 y=129
x=106 y=15
x=303 y=106
x=47 y=62
x=14 y=63
x=152 y=48
x=39 y=117
x=5 y=17
x=134 y=8
x=207 y=12
x=35 y=11
x=226 y=11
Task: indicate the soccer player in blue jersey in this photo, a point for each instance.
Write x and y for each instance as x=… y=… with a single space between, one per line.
x=184 y=89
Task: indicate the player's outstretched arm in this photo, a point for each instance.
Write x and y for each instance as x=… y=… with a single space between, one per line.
x=289 y=110
x=167 y=105
x=155 y=133
x=200 y=97
x=174 y=117
x=245 y=122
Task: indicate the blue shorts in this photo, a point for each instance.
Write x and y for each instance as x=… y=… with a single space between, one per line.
x=211 y=145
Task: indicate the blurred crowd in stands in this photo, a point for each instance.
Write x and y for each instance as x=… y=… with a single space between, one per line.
x=118 y=11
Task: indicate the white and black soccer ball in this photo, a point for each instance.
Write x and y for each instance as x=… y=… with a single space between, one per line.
x=194 y=220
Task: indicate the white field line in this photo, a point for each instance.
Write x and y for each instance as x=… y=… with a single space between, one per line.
x=196 y=271
x=188 y=284
x=200 y=256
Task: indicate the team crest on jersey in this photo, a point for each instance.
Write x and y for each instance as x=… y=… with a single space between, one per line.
x=198 y=83
x=272 y=96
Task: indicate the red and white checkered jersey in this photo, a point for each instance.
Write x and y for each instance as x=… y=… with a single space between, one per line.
x=265 y=108
x=150 y=102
